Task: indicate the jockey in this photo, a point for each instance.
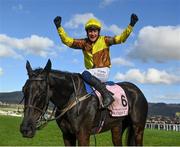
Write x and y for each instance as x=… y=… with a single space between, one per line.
x=96 y=52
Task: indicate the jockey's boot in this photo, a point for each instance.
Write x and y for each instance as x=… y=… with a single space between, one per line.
x=99 y=86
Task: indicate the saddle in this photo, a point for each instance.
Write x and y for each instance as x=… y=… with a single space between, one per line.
x=119 y=107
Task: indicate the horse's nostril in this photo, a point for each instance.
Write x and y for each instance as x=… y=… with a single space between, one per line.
x=27 y=130
x=28 y=133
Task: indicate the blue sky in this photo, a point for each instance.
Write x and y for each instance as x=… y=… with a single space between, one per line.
x=150 y=57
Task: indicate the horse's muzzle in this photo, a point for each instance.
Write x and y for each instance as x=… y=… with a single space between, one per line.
x=28 y=129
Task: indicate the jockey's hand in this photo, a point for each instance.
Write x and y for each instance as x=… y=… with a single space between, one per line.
x=134 y=19
x=57 y=21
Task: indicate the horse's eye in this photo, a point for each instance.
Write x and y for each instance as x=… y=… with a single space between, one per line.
x=38 y=99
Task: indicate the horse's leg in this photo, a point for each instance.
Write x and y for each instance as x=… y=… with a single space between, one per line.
x=83 y=137
x=138 y=118
x=69 y=139
x=116 y=133
x=138 y=133
x=138 y=114
x=136 y=130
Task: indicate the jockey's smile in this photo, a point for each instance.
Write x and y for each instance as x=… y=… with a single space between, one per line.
x=93 y=34
x=95 y=48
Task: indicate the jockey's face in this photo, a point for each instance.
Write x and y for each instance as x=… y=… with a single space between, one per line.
x=93 y=34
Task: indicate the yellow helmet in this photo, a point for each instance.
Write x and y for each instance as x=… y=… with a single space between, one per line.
x=93 y=23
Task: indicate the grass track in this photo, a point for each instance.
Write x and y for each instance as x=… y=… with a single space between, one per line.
x=51 y=136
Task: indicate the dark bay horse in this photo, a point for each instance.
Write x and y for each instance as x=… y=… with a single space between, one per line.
x=77 y=113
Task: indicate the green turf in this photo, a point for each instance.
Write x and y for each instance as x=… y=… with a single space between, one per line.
x=51 y=136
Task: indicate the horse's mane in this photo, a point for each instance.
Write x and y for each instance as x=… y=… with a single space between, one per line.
x=66 y=73
x=39 y=70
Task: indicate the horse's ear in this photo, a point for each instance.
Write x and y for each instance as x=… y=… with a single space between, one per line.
x=47 y=68
x=29 y=69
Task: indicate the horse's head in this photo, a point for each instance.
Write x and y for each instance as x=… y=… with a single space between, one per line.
x=36 y=98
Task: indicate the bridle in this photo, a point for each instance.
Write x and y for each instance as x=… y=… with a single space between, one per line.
x=44 y=110
x=43 y=121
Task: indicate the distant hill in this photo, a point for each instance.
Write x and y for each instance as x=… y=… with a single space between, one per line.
x=163 y=109
x=154 y=108
x=11 y=97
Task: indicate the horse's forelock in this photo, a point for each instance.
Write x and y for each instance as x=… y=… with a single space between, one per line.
x=37 y=71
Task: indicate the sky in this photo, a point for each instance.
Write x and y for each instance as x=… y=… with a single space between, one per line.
x=150 y=57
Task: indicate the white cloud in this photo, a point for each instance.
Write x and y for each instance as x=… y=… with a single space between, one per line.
x=6 y=51
x=1 y=71
x=113 y=28
x=19 y=8
x=34 y=44
x=166 y=96
x=175 y=96
x=105 y=3
x=121 y=61
x=160 y=43
x=81 y=19
x=151 y=76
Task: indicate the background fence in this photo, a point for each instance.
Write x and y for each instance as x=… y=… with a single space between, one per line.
x=163 y=126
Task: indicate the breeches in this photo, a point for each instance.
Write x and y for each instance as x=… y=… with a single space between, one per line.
x=100 y=73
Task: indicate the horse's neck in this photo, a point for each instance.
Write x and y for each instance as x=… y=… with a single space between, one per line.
x=62 y=88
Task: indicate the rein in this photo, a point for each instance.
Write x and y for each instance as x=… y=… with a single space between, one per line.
x=36 y=108
x=43 y=121
x=44 y=110
x=70 y=104
x=76 y=99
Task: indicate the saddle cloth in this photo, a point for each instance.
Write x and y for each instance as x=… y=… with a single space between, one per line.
x=120 y=105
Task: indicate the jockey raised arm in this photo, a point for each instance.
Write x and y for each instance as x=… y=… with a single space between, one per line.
x=96 y=52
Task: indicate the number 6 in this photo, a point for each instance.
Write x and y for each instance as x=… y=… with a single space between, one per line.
x=123 y=100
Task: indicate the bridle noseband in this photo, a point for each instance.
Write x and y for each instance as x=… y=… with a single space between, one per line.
x=42 y=121
x=44 y=110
